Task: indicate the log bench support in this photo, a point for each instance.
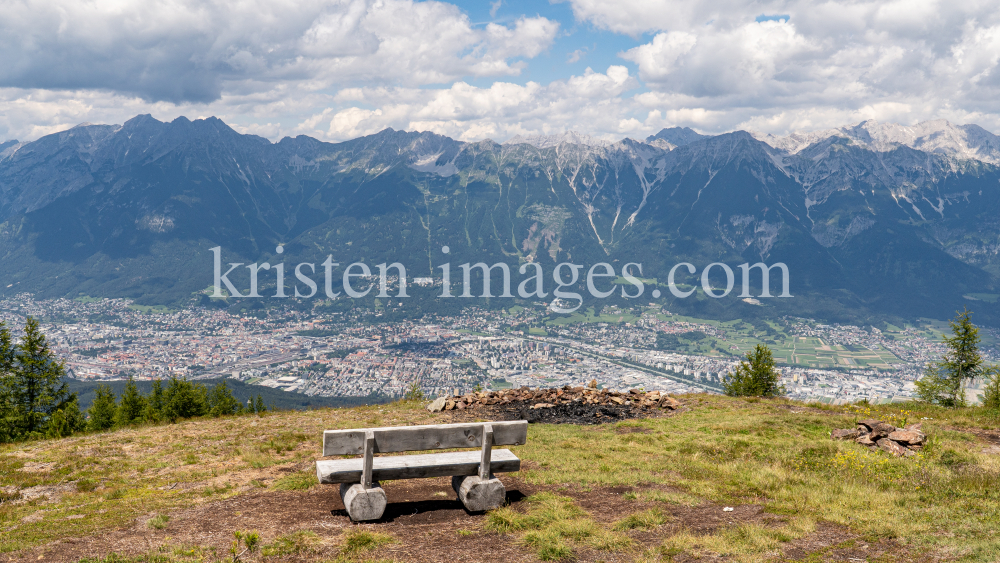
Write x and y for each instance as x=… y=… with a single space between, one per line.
x=473 y=473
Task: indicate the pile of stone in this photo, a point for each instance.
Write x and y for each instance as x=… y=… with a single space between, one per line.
x=876 y=434
x=550 y=398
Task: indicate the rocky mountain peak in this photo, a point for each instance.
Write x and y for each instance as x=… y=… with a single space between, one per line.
x=567 y=137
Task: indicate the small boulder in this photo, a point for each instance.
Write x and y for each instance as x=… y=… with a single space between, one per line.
x=845 y=434
x=865 y=440
x=892 y=447
x=908 y=437
x=869 y=423
x=437 y=405
x=669 y=403
x=882 y=430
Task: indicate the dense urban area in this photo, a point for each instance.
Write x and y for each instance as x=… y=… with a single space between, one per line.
x=355 y=354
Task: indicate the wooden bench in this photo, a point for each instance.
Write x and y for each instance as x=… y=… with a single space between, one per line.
x=472 y=472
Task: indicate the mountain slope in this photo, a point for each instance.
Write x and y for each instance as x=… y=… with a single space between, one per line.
x=133 y=210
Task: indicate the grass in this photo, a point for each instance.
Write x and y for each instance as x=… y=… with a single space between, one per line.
x=158 y=522
x=361 y=541
x=722 y=452
x=299 y=481
x=553 y=525
x=295 y=543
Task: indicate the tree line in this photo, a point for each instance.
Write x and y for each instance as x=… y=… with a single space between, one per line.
x=35 y=401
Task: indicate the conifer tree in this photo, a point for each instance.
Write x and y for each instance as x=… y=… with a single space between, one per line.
x=35 y=382
x=153 y=411
x=131 y=406
x=102 y=410
x=8 y=418
x=944 y=381
x=755 y=377
x=991 y=392
x=258 y=406
x=183 y=399
x=66 y=421
x=221 y=401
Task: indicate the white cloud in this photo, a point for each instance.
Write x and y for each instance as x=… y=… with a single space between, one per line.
x=909 y=60
x=500 y=111
x=335 y=69
x=197 y=51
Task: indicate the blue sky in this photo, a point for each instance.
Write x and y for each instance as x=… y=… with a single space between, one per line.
x=338 y=69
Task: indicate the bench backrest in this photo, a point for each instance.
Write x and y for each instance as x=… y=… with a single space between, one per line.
x=427 y=437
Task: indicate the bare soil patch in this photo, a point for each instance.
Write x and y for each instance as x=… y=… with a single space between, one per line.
x=431 y=525
x=831 y=542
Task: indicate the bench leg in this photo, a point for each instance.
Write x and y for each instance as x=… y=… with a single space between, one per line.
x=363 y=504
x=478 y=494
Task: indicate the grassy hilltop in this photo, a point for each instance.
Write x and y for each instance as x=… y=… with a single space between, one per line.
x=641 y=490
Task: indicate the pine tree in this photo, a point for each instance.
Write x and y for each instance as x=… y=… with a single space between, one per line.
x=102 y=410
x=36 y=387
x=153 y=411
x=66 y=421
x=755 y=377
x=221 y=401
x=131 y=406
x=9 y=430
x=944 y=382
x=183 y=399
x=258 y=406
x=991 y=392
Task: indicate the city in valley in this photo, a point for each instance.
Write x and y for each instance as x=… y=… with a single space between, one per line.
x=357 y=354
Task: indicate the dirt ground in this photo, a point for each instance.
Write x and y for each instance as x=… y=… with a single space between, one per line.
x=431 y=525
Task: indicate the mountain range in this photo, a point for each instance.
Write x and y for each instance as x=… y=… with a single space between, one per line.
x=873 y=221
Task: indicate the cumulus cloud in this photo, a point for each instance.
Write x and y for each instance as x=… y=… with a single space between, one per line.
x=336 y=69
x=499 y=111
x=197 y=51
x=828 y=60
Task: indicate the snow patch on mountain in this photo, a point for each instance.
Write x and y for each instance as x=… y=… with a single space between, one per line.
x=967 y=142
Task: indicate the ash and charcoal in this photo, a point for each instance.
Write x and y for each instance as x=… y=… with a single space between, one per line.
x=571 y=413
x=567 y=405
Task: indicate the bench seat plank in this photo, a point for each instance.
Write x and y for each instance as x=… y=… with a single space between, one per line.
x=425 y=437
x=415 y=466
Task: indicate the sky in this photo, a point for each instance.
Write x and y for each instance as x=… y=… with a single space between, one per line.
x=340 y=69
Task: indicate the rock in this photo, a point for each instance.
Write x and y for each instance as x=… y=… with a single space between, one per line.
x=918 y=426
x=892 y=447
x=617 y=400
x=437 y=405
x=669 y=403
x=908 y=437
x=865 y=440
x=459 y=405
x=845 y=434
x=543 y=406
x=363 y=504
x=478 y=494
x=882 y=430
x=449 y=404
x=869 y=423
x=592 y=384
